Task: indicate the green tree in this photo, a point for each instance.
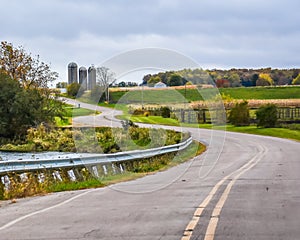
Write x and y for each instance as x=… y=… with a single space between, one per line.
x=153 y=80
x=21 y=108
x=267 y=116
x=175 y=80
x=74 y=90
x=296 y=80
x=165 y=112
x=61 y=85
x=28 y=101
x=239 y=114
x=254 y=79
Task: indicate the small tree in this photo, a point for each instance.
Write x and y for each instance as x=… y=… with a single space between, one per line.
x=296 y=80
x=175 y=80
x=104 y=78
x=153 y=80
x=239 y=115
x=267 y=116
x=264 y=79
x=165 y=112
x=74 y=90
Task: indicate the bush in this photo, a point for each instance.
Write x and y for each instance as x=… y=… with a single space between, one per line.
x=146 y=114
x=74 y=90
x=165 y=112
x=267 y=116
x=239 y=115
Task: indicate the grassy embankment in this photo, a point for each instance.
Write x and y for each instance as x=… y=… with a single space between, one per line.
x=143 y=167
x=193 y=150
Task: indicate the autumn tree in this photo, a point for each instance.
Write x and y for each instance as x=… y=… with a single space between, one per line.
x=296 y=80
x=264 y=79
x=153 y=80
x=29 y=71
x=234 y=80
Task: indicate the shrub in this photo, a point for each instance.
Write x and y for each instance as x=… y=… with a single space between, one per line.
x=146 y=114
x=239 y=115
x=267 y=116
x=74 y=90
x=165 y=112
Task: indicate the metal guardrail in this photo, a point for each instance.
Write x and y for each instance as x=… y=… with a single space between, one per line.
x=36 y=165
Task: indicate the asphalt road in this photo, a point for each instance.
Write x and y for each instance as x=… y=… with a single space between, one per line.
x=243 y=187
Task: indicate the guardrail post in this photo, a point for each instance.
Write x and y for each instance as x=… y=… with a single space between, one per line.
x=64 y=174
x=104 y=169
x=121 y=168
x=2 y=190
x=95 y=172
x=72 y=176
x=114 y=171
x=77 y=174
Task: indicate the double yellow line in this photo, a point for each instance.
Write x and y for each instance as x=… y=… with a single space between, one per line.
x=211 y=228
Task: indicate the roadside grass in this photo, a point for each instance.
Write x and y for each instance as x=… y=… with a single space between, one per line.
x=70 y=112
x=273 y=132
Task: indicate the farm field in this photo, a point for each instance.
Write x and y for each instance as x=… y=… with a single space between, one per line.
x=182 y=95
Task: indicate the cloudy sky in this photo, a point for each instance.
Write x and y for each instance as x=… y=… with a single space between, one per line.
x=215 y=33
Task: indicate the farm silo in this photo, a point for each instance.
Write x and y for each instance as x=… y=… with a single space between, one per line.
x=83 y=77
x=91 y=77
x=72 y=73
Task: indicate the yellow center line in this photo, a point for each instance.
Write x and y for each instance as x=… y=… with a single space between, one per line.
x=217 y=210
x=212 y=226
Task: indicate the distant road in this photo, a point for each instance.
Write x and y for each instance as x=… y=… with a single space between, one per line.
x=251 y=191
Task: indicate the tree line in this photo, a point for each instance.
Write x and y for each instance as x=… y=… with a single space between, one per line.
x=226 y=78
x=26 y=100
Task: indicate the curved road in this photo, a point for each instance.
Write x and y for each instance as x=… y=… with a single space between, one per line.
x=252 y=191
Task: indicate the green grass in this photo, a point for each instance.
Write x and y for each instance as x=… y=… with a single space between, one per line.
x=286 y=131
x=263 y=92
x=76 y=112
x=71 y=112
x=181 y=96
x=273 y=132
x=67 y=186
x=151 y=120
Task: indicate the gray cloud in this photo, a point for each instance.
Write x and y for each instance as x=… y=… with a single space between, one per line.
x=230 y=33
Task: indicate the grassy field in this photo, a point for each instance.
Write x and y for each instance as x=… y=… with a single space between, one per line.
x=181 y=96
x=263 y=92
x=72 y=112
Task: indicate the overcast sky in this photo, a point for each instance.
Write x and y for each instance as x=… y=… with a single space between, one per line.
x=215 y=33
